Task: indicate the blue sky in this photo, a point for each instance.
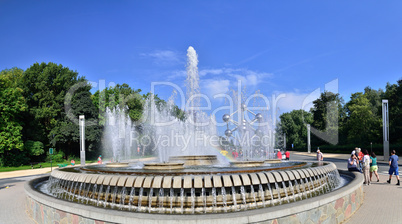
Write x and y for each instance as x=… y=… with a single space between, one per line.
x=277 y=47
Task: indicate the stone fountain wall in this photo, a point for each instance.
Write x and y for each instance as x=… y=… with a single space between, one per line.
x=334 y=207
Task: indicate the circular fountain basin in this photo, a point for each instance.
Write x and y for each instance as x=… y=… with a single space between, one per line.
x=163 y=166
x=193 y=190
x=272 y=161
x=246 y=163
x=241 y=195
x=116 y=164
x=201 y=160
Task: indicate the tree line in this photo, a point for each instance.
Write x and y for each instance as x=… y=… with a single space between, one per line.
x=339 y=126
x=39 y=109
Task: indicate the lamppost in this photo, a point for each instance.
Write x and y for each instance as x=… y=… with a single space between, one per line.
x=371 y=147
x=308 y=139
x=82 y=139
x=385 y=125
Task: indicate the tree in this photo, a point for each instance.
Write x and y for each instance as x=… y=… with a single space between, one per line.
x=294 y=124
x=328 y=115
x=12 y=104
x=66 y=133
x=363 y=125
x=394 y=95
x=45 y=87
x=120 y=95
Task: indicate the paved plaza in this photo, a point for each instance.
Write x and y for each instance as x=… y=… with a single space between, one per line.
x=382 y=201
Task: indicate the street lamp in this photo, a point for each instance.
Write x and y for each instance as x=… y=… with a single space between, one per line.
x=371 y=146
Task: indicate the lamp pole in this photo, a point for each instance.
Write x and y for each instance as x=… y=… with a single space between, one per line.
x=82 y=139
x=371 y=147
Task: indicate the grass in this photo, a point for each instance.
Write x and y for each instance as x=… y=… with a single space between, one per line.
x=37 y=166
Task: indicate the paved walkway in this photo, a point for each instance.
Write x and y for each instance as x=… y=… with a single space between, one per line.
x=382 y=201
x=380 y=159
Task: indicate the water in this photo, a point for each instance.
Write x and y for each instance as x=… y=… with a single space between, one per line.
x=234 y=198
x=293 y=190
x=114 y=195
x=286 y=191
x=262 y=195
x=131 y=200
x=243 y=196
x=192 y=200
x=182 y=200
x=171 y=200
x=140 y=199
x=253 y=195
x=151 y=191
x=223 y=192
x=270 y=192
x=218 y=201
x=214 y=199
x=161 y=198
x=278 y=192
x=122 y=198
x=204 y=199
x=99 y=195
x=106 y=195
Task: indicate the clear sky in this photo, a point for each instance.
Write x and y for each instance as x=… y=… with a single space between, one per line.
x=277 y=47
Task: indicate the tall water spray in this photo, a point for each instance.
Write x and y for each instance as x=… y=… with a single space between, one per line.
x=192 y=81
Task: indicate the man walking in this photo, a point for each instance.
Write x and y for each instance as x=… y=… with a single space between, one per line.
x=393 y=167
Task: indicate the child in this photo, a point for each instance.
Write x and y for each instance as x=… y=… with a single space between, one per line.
x=373 y=166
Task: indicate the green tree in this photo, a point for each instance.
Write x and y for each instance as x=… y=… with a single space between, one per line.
x=362 y=124
x=45 y=87
x=122 y=96
x=12 y=104
x=394 y=95
x=328 y=116
x=294 y=124
x=66 y=133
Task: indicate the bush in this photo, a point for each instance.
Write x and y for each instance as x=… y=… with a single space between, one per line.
x=58 y=156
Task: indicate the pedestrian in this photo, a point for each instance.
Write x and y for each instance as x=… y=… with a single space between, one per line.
x=393 y=167
x=72 y=162
x=320 y=156
x=366 y=167
x=353 y=163
x=100 y=159
x=279 y=154
x=354 y=151
x=359 y=156
x=373 y=166
x=287 y=154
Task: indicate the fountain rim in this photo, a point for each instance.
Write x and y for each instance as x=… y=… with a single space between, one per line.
x=260 y=214
x=177 y=173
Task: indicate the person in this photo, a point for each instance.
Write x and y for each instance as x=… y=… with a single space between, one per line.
x=366 y=167
x=224 y=152
x=320 y=156
x=287 y=154
x=72 y=162
x=279 y=154
x=354 y=151
x=393 y=167
x=359 y=156
x=353 y=163
x=235 y=154
x=100 y=159
x=373 y=166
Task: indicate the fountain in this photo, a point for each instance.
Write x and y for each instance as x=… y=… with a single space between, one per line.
x=189 y=182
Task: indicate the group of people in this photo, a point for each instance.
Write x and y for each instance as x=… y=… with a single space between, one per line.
x=361 y=161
